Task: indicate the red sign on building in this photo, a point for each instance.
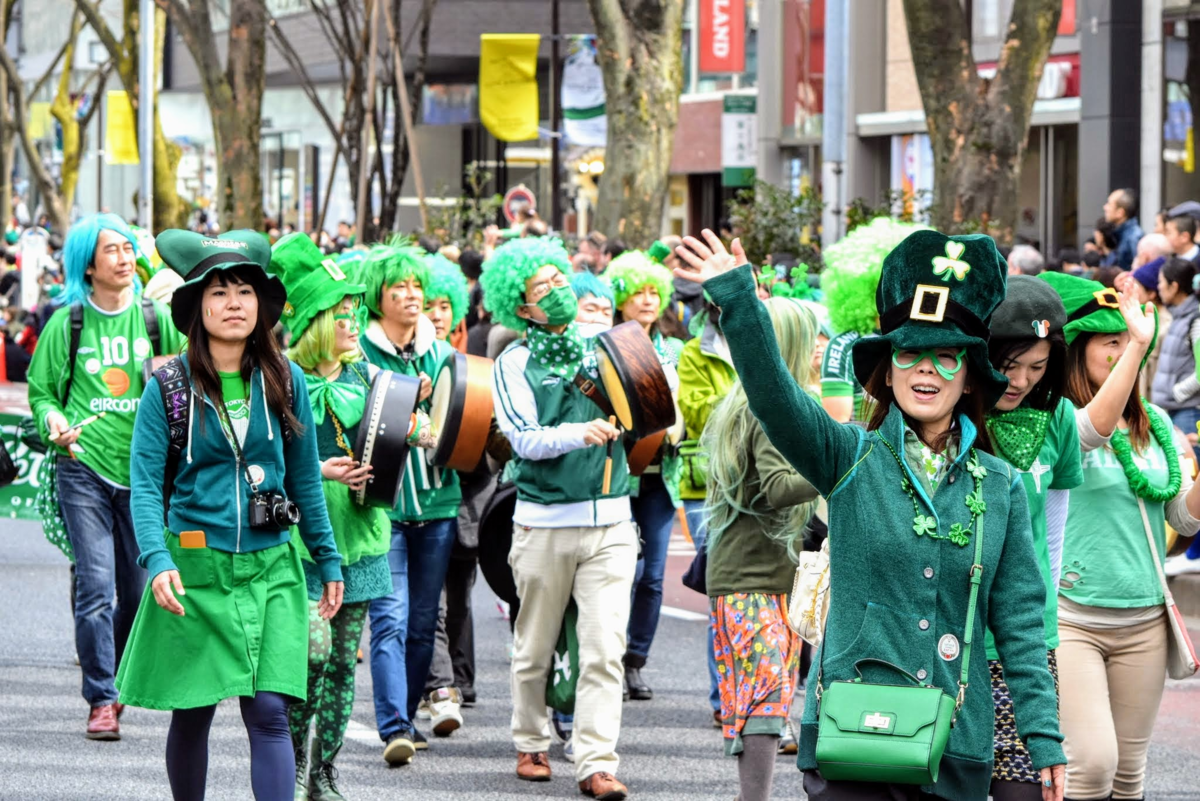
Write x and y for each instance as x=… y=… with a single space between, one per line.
x=722 y=36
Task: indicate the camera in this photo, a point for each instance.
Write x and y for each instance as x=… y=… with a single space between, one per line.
x=272 y=510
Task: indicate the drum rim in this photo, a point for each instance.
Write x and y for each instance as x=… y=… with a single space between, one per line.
x=376 y=410
x=606 y=341
x=364 y=443
x=457 y=364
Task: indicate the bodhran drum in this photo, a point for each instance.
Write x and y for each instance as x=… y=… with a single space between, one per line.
x=383 y=437
x=495 y=541
x=634 y=380
x=461 y=411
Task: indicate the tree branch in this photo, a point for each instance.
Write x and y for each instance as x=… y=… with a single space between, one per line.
x=44 y=180
x=306 y=83
x=96 y=22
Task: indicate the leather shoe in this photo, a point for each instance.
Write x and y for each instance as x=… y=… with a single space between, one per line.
x=638 y=689
x=603 y=786
x=534 y=767
x=102 y=723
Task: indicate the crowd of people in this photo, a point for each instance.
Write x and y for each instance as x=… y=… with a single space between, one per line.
x=201 y=397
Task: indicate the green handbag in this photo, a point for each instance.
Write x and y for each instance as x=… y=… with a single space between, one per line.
x=695 y=464
x=892 y=733
x=564 y=674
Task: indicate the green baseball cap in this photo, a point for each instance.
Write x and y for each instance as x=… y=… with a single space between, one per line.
x=314 y=281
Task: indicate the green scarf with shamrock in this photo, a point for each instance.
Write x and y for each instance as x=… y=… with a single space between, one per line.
x=561 y=354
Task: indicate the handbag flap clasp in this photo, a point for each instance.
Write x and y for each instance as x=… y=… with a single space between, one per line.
x=878 y=722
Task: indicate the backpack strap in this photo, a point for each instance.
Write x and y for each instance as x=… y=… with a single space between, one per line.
x=150 y=316
x=175 y=387
x=73 y=348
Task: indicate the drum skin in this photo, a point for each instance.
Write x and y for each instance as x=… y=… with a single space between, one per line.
x=463 y=418
x=634 y=380
x=382 y=440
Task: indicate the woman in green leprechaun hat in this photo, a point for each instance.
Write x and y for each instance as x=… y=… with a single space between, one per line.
x=1114 y=626
x=929 y=532
x=225 y=442
x=323 y=320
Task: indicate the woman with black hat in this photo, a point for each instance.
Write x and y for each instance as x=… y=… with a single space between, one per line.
x=896 y=706
x=1033 y=429
x=226 y=611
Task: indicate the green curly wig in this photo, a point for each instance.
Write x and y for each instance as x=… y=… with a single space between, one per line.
x=633 y=270
x=505 y=274
x=447 y=281
x=386 y=265
x=852 y=269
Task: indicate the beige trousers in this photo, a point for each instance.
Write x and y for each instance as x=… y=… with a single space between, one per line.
x=1111 y=683
x=597 y=566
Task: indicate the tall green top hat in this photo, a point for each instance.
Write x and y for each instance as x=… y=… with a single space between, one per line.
x=194 y=256
x=314 y=281
x=937 y=291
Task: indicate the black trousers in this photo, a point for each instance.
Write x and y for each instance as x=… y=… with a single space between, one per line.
x=820 y=790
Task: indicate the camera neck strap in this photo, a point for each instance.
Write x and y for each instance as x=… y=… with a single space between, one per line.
x=231 y=435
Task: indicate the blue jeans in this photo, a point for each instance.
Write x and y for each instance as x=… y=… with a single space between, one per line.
x=403 y=624
x=100 y=528
x=655 y=515
x=694 y=512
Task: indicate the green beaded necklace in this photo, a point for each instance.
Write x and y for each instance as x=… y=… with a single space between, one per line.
x=1136 y=478
x=926 y=525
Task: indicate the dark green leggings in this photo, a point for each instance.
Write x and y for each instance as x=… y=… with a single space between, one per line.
x=332 y=658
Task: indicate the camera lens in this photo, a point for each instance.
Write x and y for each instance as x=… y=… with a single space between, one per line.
x=291 y=513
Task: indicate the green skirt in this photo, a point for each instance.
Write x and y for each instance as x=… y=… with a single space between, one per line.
x=245 y=630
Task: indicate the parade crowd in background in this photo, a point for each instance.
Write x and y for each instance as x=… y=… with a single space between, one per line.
x=203 y=396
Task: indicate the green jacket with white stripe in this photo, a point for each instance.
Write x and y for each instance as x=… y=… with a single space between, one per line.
x=429 y=493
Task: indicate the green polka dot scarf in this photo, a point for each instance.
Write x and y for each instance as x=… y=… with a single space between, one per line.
x=561 y=354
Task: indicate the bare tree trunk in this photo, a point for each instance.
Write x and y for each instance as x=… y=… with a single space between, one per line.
x=639 y=46
x=46 y=185
x=978 y=128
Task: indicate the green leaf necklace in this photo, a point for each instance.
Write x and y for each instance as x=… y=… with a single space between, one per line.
x=926 y=525
x=1137 y=479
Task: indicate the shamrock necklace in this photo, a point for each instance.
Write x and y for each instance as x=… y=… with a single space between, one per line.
x=926 y=525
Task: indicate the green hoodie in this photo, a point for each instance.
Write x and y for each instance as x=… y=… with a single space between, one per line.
x=705 y=377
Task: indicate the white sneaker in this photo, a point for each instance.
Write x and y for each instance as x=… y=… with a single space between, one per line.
x=569 y=750
x=423 y=710
x=1179 y=565
x=445 y=711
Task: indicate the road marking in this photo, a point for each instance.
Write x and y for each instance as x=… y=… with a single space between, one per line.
x=363 y=734
x=682 y=614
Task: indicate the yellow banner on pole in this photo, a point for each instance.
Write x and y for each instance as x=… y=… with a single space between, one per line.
x=40 y=120
x=120 y=137
x=508 y=89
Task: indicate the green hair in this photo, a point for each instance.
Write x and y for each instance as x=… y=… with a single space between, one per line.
x=317 y=342
x=729 y=432
x=505 y=273
x=633 y=270
x=587 y=284
x=447 y=281
x=852 y=269
x=389 y=264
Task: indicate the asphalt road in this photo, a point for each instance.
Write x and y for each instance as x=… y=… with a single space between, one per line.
x=668 y=748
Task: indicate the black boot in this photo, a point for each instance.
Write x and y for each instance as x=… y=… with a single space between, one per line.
x=322 y=776
x=301 y=793
x=637 y=688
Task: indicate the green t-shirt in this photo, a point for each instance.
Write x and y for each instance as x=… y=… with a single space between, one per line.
x=1106 y=560
x=107 y=377
x=1057 y=467
x=237 y=403
x=837 y=372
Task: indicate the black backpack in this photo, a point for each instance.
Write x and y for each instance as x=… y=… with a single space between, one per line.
x=149 y=316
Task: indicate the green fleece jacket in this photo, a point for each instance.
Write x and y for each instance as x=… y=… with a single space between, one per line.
x=429 y=493
x=894 y=595
x=705 y=377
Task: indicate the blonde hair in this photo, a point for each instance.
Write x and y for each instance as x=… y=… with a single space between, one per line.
x=318 y=341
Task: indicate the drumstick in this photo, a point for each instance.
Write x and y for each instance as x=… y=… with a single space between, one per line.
x=85 y=421
x=612 y=421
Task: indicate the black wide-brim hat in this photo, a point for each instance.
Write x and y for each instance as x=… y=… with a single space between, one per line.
x=195 y=256
x=938 y=291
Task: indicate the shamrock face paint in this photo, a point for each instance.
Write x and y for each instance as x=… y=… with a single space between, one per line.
x=1101 y=354
x=345 y=328
x=403 y=302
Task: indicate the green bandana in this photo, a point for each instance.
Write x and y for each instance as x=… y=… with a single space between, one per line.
x=561 y=354
x=1018 y=435
x=346 y=400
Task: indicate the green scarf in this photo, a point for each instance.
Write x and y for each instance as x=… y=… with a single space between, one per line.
x=346 y=400
x=1018 y=435
x=561 y=354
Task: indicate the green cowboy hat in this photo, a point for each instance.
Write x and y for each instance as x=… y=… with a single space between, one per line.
x=937 y=291
x=314 y=281
x=194 y=256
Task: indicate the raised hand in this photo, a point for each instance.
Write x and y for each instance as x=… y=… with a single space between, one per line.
x=1141 y=324
x=709 y=258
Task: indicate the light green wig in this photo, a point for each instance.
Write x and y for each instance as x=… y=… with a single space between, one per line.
x=447 y=281
x=728 y=435
x=633 y=270
x=318 y=341
x=389 y=264
x=505 y=274
x=852 y=269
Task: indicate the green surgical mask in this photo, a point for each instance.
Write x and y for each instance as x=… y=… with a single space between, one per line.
x=947 y=365
x=560 y=306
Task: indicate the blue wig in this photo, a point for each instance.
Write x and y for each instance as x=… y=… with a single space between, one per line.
x=586 y=283
x=80 y=249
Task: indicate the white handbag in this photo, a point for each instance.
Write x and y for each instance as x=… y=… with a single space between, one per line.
x=808 y=604
x=1181 y=655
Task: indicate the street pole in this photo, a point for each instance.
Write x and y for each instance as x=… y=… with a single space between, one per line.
x=145 y=123
x=368 y=120
x=1151 y=167
x=770 y=92
x=101 y=98
x=833 y=129
x=555 y=121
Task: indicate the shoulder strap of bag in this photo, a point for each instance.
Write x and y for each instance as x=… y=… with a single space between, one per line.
x=175 y=388
x=1162 y=578
x=969 y=631
x=73 y=348
x=588 y=387
x=153 y=332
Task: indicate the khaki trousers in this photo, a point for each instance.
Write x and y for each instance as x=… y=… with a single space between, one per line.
x=597 y=566
x=1111 y=683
